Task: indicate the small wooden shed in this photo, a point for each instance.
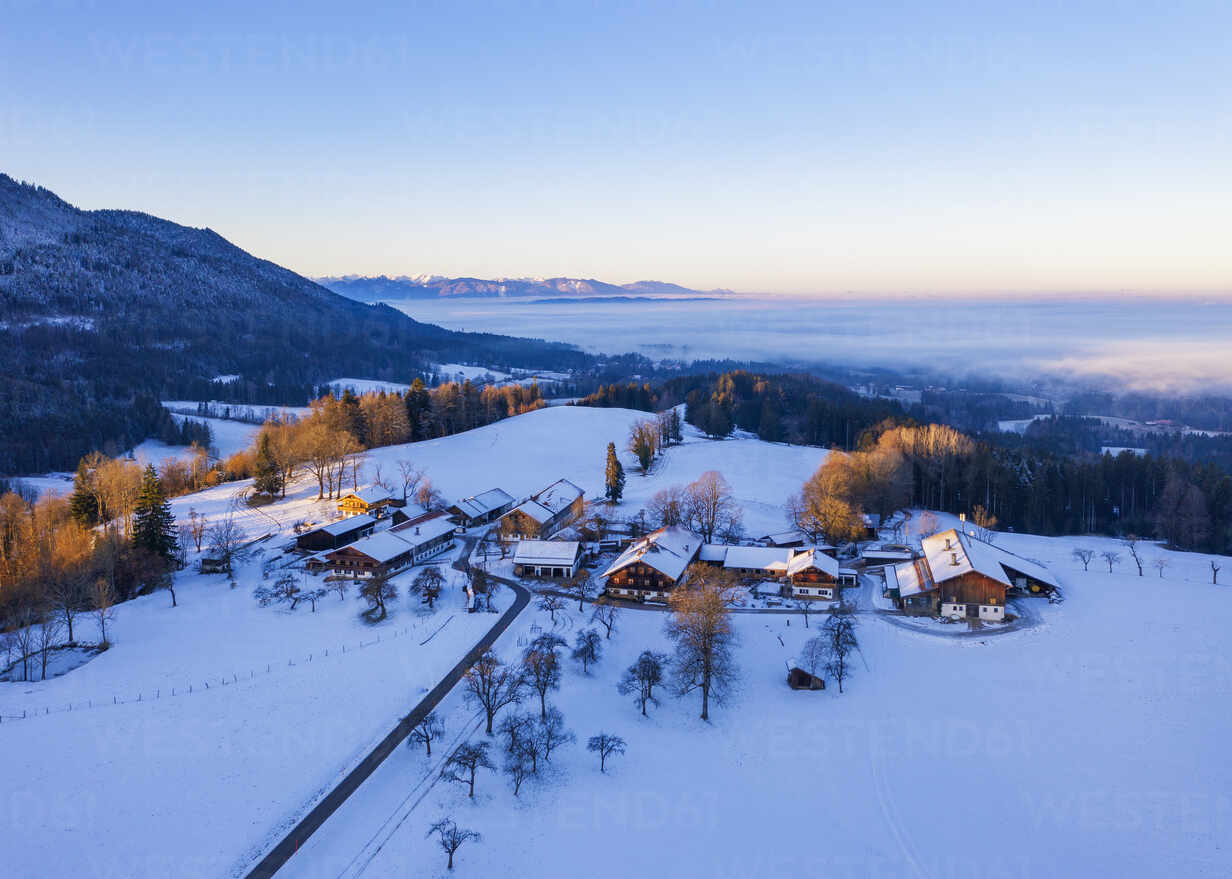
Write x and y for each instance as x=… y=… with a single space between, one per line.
x=799 y=679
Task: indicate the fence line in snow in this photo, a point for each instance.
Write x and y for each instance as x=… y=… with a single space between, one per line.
x=207 y=684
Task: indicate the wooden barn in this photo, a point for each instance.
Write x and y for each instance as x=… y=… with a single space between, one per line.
x=482 y=508
x=429 y=534
x=652 y=566
x=380 y=553
x=961 y=577
x=336 y=534
x=546 y=512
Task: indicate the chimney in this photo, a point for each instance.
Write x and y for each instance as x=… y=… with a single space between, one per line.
x=954 y=559
x=948 y=544
x=416 y=529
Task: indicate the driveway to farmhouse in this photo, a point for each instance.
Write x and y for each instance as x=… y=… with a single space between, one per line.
x=332 y=801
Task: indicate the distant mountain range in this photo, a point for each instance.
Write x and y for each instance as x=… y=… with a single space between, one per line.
x=103 y=313
x=383 y=288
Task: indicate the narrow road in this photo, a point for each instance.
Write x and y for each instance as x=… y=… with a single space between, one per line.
x=310 y=823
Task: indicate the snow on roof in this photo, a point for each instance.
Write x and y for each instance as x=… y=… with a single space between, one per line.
x=668 y=550
x=813 y=558
x=951 y=554
x=546 y=552
x=886 y=554
x=370 y=495
x=559 y=495
x=749 y=557
x=483 y=503
x=535 y=510
x=910 y=578
x=765 y=588
x=782 y=538
x=421 y=529
x=713 y=552
x=345 y=526
x=382 y=547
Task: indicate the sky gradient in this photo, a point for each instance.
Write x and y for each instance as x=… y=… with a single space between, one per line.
x=780 y=147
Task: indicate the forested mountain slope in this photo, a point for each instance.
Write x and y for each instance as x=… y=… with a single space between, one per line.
x=101 y=308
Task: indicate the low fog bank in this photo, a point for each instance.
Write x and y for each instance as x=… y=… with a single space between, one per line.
x=1173 y=346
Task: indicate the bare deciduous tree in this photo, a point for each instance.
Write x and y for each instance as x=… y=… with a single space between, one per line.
x=427 y=731
x=377 y=590
x=700 y=625
x=464 y=764
x=226 y=541
x=541 y=667
x=1131 y=543
x=839 y=639
x=587 y=649
x=605 y=615
x=409 y=476
x=710 y=508
x=1215 y=568
x=428 y=584
x=103 y=598
x=1160 y=564
x=451 y=837
x=551 y=604
x=492 y=685
x=642 y=677
x=1112 y=558
x=605 y=745
x=813 y=655
x=581 y=587
x=1085 y=556
x=550 y=733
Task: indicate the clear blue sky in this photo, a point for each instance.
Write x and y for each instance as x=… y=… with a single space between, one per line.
x=794 y=147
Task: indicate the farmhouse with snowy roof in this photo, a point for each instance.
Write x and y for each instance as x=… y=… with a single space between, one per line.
x=654 y=565
x=482 y=508
x=960 y=576
x=385 y=552
x=813 y=574
x=546 y=512
x=373 y=500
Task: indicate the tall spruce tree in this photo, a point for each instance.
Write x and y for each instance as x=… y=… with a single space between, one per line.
x=83 y=505
x=614 y=476
x=154 y=525
x=267 y=475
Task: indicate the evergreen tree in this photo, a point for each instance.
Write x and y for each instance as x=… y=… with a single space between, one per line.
x=614 y=477
x=154 y=525
x=267 y=475
x=83 y=505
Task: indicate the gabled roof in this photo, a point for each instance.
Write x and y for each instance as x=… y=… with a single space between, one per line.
x=910 y=578
x=346 y=526
x=559 y=495
x=370 y=495
x=483 y=503
x=713 y=552
x=951 y=554
x=782 y=538
x=813 y=558
x=546 y=552
x=668 y=550
x=767 y=558
x=382 y=547
x=421 y=529
x=534 y=510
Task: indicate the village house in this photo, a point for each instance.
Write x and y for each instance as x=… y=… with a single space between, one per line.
x=757 y=562
x=387 y=552
x=962 y=577
x=482 y=508
x=373 y=501
x=814 y=575
x=429 y=534
x=783 y=539
x=654 y=565
x=336 y=534
x=547 y=558
x=546 y=512
x=885 y=555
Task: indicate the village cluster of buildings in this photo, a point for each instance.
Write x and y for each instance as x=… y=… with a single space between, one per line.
x=952 y=574
x=353 y=546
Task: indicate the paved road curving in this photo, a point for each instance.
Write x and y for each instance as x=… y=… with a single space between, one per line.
x=332 y=801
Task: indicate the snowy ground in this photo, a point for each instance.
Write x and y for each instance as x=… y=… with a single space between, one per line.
x=195 y=783
x=1090 y=745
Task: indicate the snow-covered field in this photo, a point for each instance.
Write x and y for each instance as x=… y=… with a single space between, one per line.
x=1090 y=745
